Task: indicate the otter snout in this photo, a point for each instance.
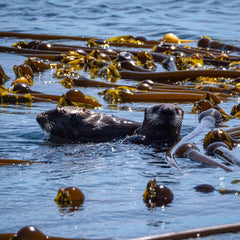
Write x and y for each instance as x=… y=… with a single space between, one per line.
x=167 y=111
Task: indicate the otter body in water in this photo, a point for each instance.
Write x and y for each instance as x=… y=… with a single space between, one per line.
x=79 y=124
x=161 y=126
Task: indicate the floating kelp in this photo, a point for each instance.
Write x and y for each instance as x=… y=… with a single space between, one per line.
x=172 y=38
x=74 y=97
x=70 y=198
x=223 y=151
x=10 y=98
x=3 y=76
x=210 y=118
x=157 y=195
x=236 y=111
x=30 y=232
x=206 y=42
x=191 y=151
x=219 y=135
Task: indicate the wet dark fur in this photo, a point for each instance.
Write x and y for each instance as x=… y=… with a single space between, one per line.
x=80 y=124
x=161 y=126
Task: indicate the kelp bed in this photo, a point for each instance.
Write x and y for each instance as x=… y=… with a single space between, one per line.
x=204 y=72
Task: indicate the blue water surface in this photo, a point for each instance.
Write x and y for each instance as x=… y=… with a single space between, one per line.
x=111 y=175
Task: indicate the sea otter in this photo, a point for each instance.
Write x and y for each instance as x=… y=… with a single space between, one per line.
x=81 y=125
x=161 y=126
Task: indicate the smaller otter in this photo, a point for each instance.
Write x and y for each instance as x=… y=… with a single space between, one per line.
x=161 y=126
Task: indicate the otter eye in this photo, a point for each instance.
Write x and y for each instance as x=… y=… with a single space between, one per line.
x=177 y=110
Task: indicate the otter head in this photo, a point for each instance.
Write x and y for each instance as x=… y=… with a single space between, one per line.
x=162 y=123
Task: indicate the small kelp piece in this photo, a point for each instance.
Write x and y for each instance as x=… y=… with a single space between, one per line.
x=172 y=38
x=97 y=43
x=204 y=188
x=222 y=57
x=23 y=80
x=236 y=111
x=229 y=191
x=36 y=44
x=3 y=76
x=20 y=44
x=65 y=72
x=191 y=151
x=222 y=150
x=219 y=135
x=110 y=73
x=23 y=70
x=75 y=97
x=206 y=42
x=193 y=62
x=157 y=195
x=213 y=98
x=12 y=98
x=146 y=60
x=37 y=64
x=142 y=63
x=3 y=89
x=97 y=54
x=113 y=95
x=69 y=195
x=29 y=232
x=67 y=82
x=76 y=57
x=207 y=188
x=126 y=39
x=201 y=106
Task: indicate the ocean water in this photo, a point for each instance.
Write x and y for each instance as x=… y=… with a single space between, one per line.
x=111 y=175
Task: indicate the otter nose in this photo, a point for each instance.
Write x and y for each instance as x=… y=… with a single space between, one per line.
x=167 y=111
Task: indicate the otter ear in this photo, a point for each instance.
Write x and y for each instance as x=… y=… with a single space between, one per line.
x=145 y=113
x=182 y=113
x=180 y=109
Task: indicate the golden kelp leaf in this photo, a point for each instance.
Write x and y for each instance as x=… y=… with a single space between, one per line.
x=20 y=44
x=235 y=65
x=97 y=43
x=64 y=72
x=77 y=62
x=119 y=38
x=67 y=82
x=144 y=56
x=3 y=89
x=112 y=95
x=217 y=135
x=28 y=97
x=214 y=99
x=237 y=115
x=74 y=97
x=206 y=37
x=3 y=76
x=110 y=73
